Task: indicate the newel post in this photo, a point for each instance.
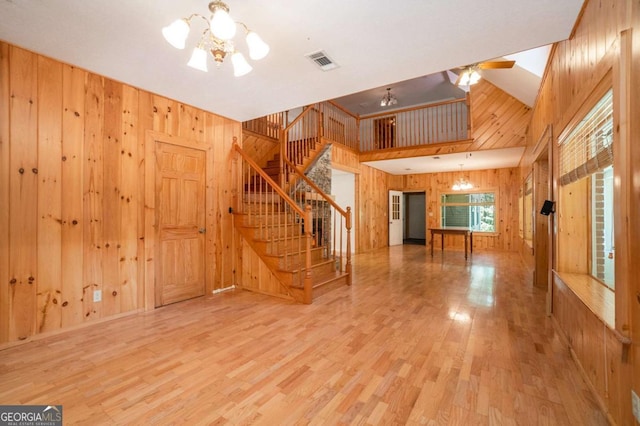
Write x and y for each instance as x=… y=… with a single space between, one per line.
x=348 y=265
x=308 y=230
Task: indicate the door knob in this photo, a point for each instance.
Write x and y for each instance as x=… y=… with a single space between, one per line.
x=202 y=230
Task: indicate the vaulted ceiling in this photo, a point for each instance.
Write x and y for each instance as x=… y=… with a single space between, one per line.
x=375 y=43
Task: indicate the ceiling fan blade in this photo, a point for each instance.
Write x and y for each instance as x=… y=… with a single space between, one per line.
x=496 y=64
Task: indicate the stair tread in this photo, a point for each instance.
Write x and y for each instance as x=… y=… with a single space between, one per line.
x=324 y=279
x=294 y=252
x=313 y=266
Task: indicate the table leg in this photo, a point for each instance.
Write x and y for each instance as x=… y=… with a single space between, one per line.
x=465 y=245
x=431 y=243
x=471 y=241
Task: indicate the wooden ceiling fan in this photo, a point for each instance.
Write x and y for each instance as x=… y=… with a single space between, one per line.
x=471 y=73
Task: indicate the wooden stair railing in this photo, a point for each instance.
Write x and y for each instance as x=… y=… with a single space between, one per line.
x=331 y=224
x=280 y=232
x=300 y=140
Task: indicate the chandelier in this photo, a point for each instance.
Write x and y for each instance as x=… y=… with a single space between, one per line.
x=462 y=184
x=469 y=76
x=217 y=40
x=388 y=99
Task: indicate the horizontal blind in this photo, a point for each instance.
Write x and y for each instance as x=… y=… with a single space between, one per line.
x=589 y=147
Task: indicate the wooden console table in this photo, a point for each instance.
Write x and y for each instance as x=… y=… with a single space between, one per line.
x=468 y=237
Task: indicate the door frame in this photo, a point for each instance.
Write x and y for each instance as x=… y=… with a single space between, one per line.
x=543 y=226
x=152 y=138
x=406 y=207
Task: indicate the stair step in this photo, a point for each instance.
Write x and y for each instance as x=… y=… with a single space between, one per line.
x=294 y=257
x=330 y=283
x=272 y=170
x=324 y=283
x=249 y=218
x=280 y=230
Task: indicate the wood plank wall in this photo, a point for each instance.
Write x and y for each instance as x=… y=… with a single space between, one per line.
x=372 y=216
x=597 y=47
x=259 y=148
x=498 y=119
x=505 y=181
x=72 y=149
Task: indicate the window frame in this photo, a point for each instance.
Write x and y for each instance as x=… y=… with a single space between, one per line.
x=496 y=203
x=587 y=107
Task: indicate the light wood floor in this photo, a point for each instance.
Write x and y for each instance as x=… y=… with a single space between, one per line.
x=413 y=341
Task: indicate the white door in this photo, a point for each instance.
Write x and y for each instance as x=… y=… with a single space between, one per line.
x=395 y=218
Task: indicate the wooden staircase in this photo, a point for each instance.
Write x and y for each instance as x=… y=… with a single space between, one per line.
x=306 y=262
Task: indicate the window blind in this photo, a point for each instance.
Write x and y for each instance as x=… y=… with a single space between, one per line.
x=589 y=147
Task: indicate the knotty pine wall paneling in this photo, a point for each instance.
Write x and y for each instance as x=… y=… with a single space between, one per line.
x=5 y=195
x=503 y=180
x=499 y=119
x=23 y=187
x=128 y=278
x=95 y=200
x=72 y=175
x=372 y=196
x=73 y=83
x=573 y=73
x=49 y=254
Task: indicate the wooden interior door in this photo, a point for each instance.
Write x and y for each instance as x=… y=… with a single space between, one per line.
x=384 y=132
x=396 y=214
x=180 y=197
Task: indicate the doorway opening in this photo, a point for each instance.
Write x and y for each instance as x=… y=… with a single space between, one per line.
x=415 y=229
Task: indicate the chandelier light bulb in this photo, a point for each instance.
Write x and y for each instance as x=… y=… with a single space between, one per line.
x=474 y=77
x=258 y=49
x=198 y=59
x=240 y=64
x=176 y=33
x=222 y=26
x=216 y=39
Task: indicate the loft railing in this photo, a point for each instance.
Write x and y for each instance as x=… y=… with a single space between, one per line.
x=339 y=125
x=269 y=126
x=331 y=224
x=278 y=221
x=447 y=121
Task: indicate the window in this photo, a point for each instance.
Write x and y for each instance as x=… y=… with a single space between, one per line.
x=586 y=172
x=475 y=210
x=602 y=246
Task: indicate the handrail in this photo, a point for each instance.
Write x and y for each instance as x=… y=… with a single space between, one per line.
x=304 y=219
x=414 y=108
x=416 y=126
x=266 y=177
x=315 y=187
x=343 y=109
x=345 y=214
x=298 y=118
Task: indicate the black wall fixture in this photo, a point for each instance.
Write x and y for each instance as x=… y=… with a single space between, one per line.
x=548 y=207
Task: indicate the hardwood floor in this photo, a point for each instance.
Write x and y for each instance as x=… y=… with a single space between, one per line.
x=414 y=340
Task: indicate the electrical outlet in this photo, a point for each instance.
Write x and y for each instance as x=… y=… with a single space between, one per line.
x=97 y=295
x=635 y=402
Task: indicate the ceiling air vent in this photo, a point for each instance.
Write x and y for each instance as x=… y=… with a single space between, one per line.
x=322 y=60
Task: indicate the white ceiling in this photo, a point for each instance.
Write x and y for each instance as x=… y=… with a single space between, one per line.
x=375 y=42
x=476 y=160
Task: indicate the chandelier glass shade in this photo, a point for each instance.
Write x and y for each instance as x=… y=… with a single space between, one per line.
x=462 y=184
x=388 y=99
x=469 y=77
x=216 y=40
